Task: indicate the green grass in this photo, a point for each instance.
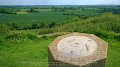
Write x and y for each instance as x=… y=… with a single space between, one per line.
x=28 y=53
x=41 y=17
x=44 y=16
x=33 y=53
x=113 y=54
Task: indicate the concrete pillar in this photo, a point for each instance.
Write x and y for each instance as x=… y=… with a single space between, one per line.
x=77 y=50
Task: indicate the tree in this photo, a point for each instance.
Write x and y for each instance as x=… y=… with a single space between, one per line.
x=32 y=10
x=35 y=26
x=42 y=25
x=51 y=25
x=2 y=11
x=14 y=25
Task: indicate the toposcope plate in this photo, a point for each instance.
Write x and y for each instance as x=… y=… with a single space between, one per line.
x=77 y=46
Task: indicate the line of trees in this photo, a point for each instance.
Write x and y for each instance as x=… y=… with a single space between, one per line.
x=100 y=9
x=14 y=11
x=6 y=10
x=17 y=26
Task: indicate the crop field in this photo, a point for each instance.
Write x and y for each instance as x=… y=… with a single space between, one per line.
x=41 y=17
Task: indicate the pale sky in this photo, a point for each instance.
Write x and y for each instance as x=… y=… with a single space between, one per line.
x=59 y=2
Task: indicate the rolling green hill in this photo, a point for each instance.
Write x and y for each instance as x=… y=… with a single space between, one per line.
x=20 y=48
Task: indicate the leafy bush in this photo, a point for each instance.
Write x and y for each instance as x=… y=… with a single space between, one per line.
x=21 y=36
x=32 y=36
x=4 y=29
x=107 y=21
x=47 y=30
x=117 y=37
x=16 y=36
x=44 y=36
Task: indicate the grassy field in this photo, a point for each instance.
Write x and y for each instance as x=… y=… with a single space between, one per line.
x=23 y=48
x=28 y=53
x=113 y=54
x=42 y=17
x=33 y=53
x=45 y=15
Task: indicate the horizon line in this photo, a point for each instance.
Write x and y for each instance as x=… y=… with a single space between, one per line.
x=53 y=4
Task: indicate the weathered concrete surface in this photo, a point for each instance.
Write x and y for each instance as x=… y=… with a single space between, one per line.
x=96 y=58
x=77 y=46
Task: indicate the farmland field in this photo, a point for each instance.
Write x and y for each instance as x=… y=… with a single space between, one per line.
x=42 y=17
x=21 y=26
